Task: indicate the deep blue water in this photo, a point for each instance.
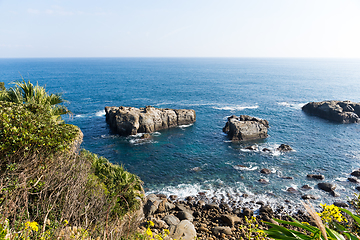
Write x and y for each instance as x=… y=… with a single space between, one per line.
x=273 y=89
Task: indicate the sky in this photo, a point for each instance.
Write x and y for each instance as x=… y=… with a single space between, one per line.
x=186 y=28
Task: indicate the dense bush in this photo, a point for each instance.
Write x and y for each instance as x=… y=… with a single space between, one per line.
x=48 y=190
x=30 y=126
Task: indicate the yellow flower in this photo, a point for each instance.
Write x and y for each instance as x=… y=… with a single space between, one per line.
x=149 y=232
x=32 y=225
x=151 y=224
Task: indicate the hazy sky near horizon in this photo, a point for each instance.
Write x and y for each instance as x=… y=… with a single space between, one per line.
x=187 y=28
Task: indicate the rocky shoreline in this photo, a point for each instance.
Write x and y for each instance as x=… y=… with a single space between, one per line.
x=209 y=219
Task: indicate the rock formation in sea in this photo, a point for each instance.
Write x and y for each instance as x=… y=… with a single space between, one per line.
x=337 y=111
x=130 y=120
x=245 y=128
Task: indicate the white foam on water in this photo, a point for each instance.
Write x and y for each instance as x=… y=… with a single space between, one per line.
x=341 y=179
x=185 y=126
x=250 y=168
x=100 y=113
x=291 y=105
x=80 y=115
x=236 y=107
x=232 y=195
x=156 y=134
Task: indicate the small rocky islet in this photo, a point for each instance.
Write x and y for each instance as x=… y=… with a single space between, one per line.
x=210 y=218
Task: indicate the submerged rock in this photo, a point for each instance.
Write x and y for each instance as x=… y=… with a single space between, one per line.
x=316 y=176
x=337 y=111
x=328 y=187
x=355 y=173
x=309 y=196
x=246 y=128
x=265 y=171
x=284 y=148
x=306 y=187
x=130 y=120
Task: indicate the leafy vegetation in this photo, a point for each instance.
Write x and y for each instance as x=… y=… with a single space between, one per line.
x=28 y=94
x=30 y=127
x=330 y=224
x=48 y=189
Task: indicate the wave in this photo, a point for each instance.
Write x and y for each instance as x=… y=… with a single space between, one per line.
x=291 y=105
x=236 y=107
x=237 y=196
x=100 y=113
x=244 y=168
x=186 y=126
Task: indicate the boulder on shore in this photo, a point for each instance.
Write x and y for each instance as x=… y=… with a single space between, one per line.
x=337 y=111
x=246 y=128
x=130 y=120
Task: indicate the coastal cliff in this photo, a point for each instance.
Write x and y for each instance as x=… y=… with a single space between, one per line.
x=130 y=120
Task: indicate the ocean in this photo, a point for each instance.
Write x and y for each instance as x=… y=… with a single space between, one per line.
x=197 y=158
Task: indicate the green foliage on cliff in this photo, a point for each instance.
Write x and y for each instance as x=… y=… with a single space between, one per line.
x=29 y=94
x=30 y=127
x=125 y=188
x=48 y=189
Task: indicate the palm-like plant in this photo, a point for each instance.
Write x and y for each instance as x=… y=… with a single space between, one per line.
x=26 y=93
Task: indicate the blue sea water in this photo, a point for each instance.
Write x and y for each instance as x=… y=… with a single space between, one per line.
x=199 y=158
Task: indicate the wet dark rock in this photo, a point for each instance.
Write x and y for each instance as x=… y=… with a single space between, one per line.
x=309 y=196
x=266 y=210
x=173 y=197
x=226 y=207
x=265 y=171
x=316 y=176
x=261 y=203
x=286 y=177
x=201 y=203
x=353 y=180
x=230 y=220
x=212 y=205
x=189 y=198
x=355 y=173
x=266 y=150
x=358 y=188
x=334 y=194
x=262 y=180
x=252 y=148
x=284 y=148
x=306 y=187
x=341 y=204
x=145 y=136
x=327 y=187
x=247 y=212
x=337 y=111
x=185 y=215
x=246 y=128
x=292 y=190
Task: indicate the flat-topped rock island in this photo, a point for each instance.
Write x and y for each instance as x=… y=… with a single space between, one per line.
x=130 y=120
x=336 y=111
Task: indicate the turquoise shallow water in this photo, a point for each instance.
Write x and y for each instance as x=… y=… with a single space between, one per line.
x=195 y=158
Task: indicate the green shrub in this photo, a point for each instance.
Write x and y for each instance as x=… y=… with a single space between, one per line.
x=125 y=188
x=30 y=127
